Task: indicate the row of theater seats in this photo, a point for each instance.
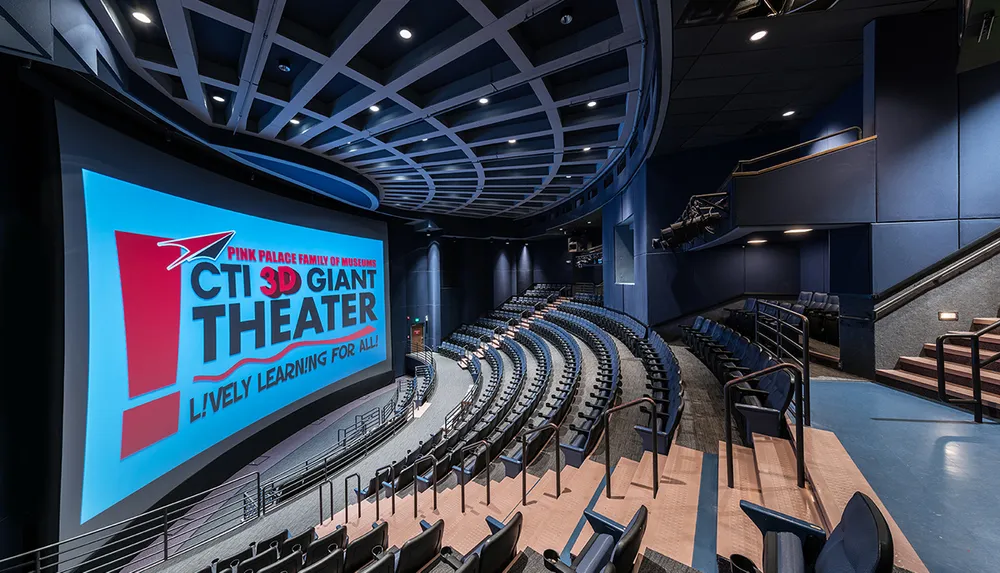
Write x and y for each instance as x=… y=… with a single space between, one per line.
x=426 y=376
x=760 y=404
x=605 y=389
x=548 y=291
x=535 y=302
x=507 y=316
x=822 y=310
x=589 y=298
x=451 y=350
x=525 y=310
x=496 y=324
x=663 y=372
x=554 y=410
x=302 y=477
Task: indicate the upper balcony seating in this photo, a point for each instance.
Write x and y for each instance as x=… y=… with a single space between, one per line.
x=822 y=309
x=493 y=554
x=760 y=404
x=611 y=544
x=583 y=436
x=861 y=542
x=558 y=404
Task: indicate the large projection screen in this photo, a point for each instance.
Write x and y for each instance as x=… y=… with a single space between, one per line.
x=198 y=311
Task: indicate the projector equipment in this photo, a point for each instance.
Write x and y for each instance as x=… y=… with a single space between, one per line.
x=699 y=216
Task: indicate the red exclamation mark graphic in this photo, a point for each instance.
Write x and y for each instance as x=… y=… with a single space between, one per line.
x=151 y=297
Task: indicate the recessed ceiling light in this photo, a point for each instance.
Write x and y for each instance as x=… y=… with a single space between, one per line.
x=568 y=176
x=508 y=242
x=294 y=121
x=142 y=17
x=373 y=109
x=797 y=231
x=788 y=113
x=424 y=139
x=219 y=99
x=758 y=35
x=484 y=101
x=586 y=149
x=511 y=141
x=756 y=241
x=405 y=34
x=284 y=65
x=588 y=222
x=560 y=229
x=353 y=149
x=566 y=16
x=591 y=104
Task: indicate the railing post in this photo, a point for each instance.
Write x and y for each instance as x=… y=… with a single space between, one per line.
x=607 y=444
x=806 y=380
x=165 y=547
x=38 y=561
x=977 y=382
x=800 y=466
x=462 y=482
x=727 y=398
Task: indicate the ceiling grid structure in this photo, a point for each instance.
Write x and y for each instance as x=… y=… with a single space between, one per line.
x=479 y=110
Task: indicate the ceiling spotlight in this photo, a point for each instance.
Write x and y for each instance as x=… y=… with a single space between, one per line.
x=219 y=99
x=756 y=241
x=142 y=17
x=508 y=242
x=484 y=101
x=588 y=222
x=788 y=113
x=424 y=139
x=512 y=141
x=591 y=104
x=284 y=65
x=797 y=231
x=405 y=34
x=353 y=149
x=566 y=16
x=568 y=176
x=586 y=149
x=373 y=109
x=758 y=35
x=294 y=121
x=560 y=228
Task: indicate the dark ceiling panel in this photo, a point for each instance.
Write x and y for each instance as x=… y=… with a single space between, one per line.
x=711 y=87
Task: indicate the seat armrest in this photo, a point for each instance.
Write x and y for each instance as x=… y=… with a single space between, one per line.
x=762 y=394
x=495 y=524
x=601 y=524
x=768 y=520
x=552 y=562
x=424 y=526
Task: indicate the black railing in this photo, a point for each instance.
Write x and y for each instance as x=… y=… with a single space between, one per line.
x=461 y=468
x=607 y=444
x=379 y=485
x=727 y=394
x=347 y=504
x=786 y=347
x=434 y=481
x=975 y=363
x=524 y=459
x=320 y=490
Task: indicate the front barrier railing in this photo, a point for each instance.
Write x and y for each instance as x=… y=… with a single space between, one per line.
x=148 y=539
x=744 y=162
x=727 y=394
x=461 y=466
x=771 y=333
x=975 y=363
x=524 y=459
x=607 y=444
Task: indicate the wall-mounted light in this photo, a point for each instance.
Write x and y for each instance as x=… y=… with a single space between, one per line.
x=949 y=315
x=758 y=35
x=756 y=241
x=797 y=231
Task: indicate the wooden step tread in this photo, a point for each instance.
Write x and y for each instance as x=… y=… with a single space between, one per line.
x=549 y=522
x=735 y=532
x=991 y=338
x=984 y=321
x=776 y=469
x=835 y=477
x=952 y=368
x=953 y=389
x=957 y=350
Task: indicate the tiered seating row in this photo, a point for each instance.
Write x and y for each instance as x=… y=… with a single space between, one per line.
x=822 y=309
x=760 y=404
x=625 y=328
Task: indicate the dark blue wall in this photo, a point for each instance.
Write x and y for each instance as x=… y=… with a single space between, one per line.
x=814 y=263
x=845 y=112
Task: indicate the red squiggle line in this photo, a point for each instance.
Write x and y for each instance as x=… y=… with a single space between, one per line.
x=207 y=378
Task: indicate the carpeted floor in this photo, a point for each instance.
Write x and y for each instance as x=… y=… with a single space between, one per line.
x=703 y=423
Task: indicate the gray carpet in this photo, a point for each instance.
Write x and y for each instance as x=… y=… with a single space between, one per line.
x=625 y=442
x=653 y=562
x=452 y=384
x=702 y=425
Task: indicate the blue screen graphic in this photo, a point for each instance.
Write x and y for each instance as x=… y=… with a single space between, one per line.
x=203 y=321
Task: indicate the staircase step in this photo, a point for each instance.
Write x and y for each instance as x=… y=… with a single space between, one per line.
x=835 y=477
x=986 y=341
x=953 y=371
x=978 y=323
x=549 y=523
x=735 y=532
x=959 y=354
x=776 y=470
x=928 y=386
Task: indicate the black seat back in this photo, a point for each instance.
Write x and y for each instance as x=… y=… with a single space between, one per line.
x=359 y=551
x=861 y=542
x=233 y=560
x=501 y=547
x=384 y=564
x=290 y=563
x=259 y=561
x=419 y=550
x=326 y=545
x=627 y=547
x=299 y=542
x=332 y=563
x=274 y=541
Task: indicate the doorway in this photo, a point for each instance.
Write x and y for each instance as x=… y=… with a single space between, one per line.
x=416 y=337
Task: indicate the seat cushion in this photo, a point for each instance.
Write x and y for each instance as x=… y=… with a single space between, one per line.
x=596 y=555
x=783 y=554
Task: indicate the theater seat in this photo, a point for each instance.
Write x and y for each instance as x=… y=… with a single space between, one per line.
x=326 y=545
x=861 y=542
x=498 y=550
x=290 y=563
x=359 y=551
x=419 y=550
x=332 y=563
x=611 y=544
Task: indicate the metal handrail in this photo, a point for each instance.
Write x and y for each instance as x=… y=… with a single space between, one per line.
x=607 y=444
x=743 y=162
x=975 y=363
x=524 y=459
x=320 y=490
x=434 y=481
x=378 y=488
x=800 y=462
x=782 y=352
x=347 y=505
x=461 y=468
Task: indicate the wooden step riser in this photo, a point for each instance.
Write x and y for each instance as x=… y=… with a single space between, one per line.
x=931 y=352
x=957 y=378
x=988 y=409
x=985 y=345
